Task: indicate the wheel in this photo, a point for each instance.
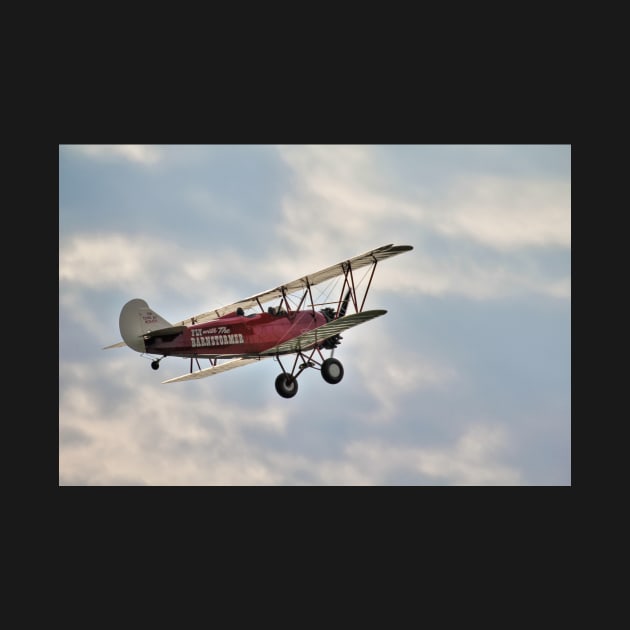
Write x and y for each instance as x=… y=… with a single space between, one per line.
x=155 y=364
x=332 y=371
x=286 y=385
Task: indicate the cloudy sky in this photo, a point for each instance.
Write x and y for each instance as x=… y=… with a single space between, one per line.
x=465 y=381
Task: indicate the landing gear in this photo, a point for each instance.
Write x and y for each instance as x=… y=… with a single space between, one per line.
x=286 y=385
x=332 y=371
x=155 y=364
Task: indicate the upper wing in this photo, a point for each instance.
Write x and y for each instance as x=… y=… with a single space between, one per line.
x=216 y=369
x=323 y=332
x=374 y=255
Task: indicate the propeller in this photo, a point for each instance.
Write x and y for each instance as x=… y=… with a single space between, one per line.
x=344 y=304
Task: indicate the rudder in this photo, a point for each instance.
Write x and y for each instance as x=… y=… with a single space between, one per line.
x=137 y=319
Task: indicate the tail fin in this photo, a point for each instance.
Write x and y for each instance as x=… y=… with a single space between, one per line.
x=138 y=319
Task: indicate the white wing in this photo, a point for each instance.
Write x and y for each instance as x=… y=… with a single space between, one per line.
x=374 y=255
x=224 y=367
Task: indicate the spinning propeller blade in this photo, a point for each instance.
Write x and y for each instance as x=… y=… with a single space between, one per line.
x=344 y=305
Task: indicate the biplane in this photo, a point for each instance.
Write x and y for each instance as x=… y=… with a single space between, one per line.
x=301 y=323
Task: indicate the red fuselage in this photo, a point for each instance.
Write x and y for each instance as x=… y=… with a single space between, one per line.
x=236 y=335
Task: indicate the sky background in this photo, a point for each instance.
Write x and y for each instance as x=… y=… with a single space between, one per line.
x=465 y=381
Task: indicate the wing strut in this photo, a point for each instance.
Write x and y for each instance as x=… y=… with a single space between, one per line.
x=369 y=283
x=348 y=281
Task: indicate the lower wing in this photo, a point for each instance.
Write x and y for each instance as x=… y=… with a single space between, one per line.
x=319 y=335
x=301 y=342
x=216 y=369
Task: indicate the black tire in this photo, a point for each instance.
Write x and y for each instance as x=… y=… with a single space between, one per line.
x=155 y=364
x=286 y=385
x=332 y=371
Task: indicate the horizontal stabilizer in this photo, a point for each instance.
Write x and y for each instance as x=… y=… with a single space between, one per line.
x=319 y=335
x=162 y=332
x=120 y=344
x=216 y=369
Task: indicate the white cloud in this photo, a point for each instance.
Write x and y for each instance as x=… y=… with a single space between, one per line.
x=150 y=434
x=164 y=438
x=421 y=273
x=137 y=153
x=109 y=260
x=391 y=369
x=507 y=213
x=471 y=460
x=341 y=206
x=145 y=433
x=142 y=266
x=337 y=205
x=341 y=192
